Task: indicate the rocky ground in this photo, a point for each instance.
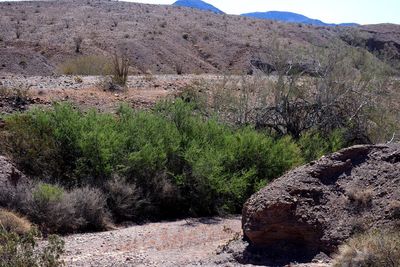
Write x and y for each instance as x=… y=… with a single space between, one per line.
x=316 y=207
x=88 y=91
x=190 y=242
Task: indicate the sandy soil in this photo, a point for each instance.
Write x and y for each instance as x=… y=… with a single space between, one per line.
x=188 y=242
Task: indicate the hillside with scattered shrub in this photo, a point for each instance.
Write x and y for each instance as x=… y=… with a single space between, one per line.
x=48 y=37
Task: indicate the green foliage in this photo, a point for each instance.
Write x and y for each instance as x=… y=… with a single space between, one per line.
x=176 y=161
x=314 y=145
x=47 y=193
x=23 y=251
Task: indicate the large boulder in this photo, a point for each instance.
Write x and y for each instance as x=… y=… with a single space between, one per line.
x=316 y=207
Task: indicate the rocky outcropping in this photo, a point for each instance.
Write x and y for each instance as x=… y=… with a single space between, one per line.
x=316 y=207
x=9 y=175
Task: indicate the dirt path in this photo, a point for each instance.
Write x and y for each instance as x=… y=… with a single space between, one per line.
x=183 y=243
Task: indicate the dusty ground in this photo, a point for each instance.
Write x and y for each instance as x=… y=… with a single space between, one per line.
x=86 y=92
x=183 y=243
x=192 y=242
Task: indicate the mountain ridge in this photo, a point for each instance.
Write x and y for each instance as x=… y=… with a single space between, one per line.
x=291 y=17
x=198 y=4
x=283 y=16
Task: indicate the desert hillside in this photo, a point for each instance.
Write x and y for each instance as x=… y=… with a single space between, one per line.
x=37 y=37
x=159 y=135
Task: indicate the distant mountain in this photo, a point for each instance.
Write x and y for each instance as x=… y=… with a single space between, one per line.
x=291 y=18
x=198 y=4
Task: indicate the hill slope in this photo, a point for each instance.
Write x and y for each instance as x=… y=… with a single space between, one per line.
x=198 y=4
x=291 y=18
x=36 y=37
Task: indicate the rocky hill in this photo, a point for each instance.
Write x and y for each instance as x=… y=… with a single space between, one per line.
x=37 y=36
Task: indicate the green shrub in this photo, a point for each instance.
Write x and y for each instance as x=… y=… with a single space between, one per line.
x=175 y=161
x=240 y=163
x=23 y=251
x=45 y=193
x=314 y=145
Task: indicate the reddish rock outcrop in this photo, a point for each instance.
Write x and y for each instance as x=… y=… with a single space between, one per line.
x=316 y=207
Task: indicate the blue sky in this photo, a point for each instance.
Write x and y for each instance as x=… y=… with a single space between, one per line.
x=332 y=11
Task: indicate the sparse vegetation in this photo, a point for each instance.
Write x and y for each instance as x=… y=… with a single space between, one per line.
x=360 y=198
x=23 y=251
x=87 y=65
x=290 y=97
x=372 y=249
x=11 y=222
x=18 y=97
x=120 y=68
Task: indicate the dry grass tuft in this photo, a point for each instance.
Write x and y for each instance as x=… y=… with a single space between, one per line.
x=360 y=198
x=373 y=249
x=87 y=65
x=12 y=222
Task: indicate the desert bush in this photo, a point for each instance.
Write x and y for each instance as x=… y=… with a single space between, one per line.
x=175 y=161
x=90 y=209
x=45 y=193
x=301 y=90
x=314 y=145
x=123 y=199
x=56 y=210
x=11 y=222
x=19 y=94
x=87 y=65
x=47 y=208
x=360 y=198
x=221 y=167
x=23 y=250
x=15 y=197
x=376 y=248
x=120 y=68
